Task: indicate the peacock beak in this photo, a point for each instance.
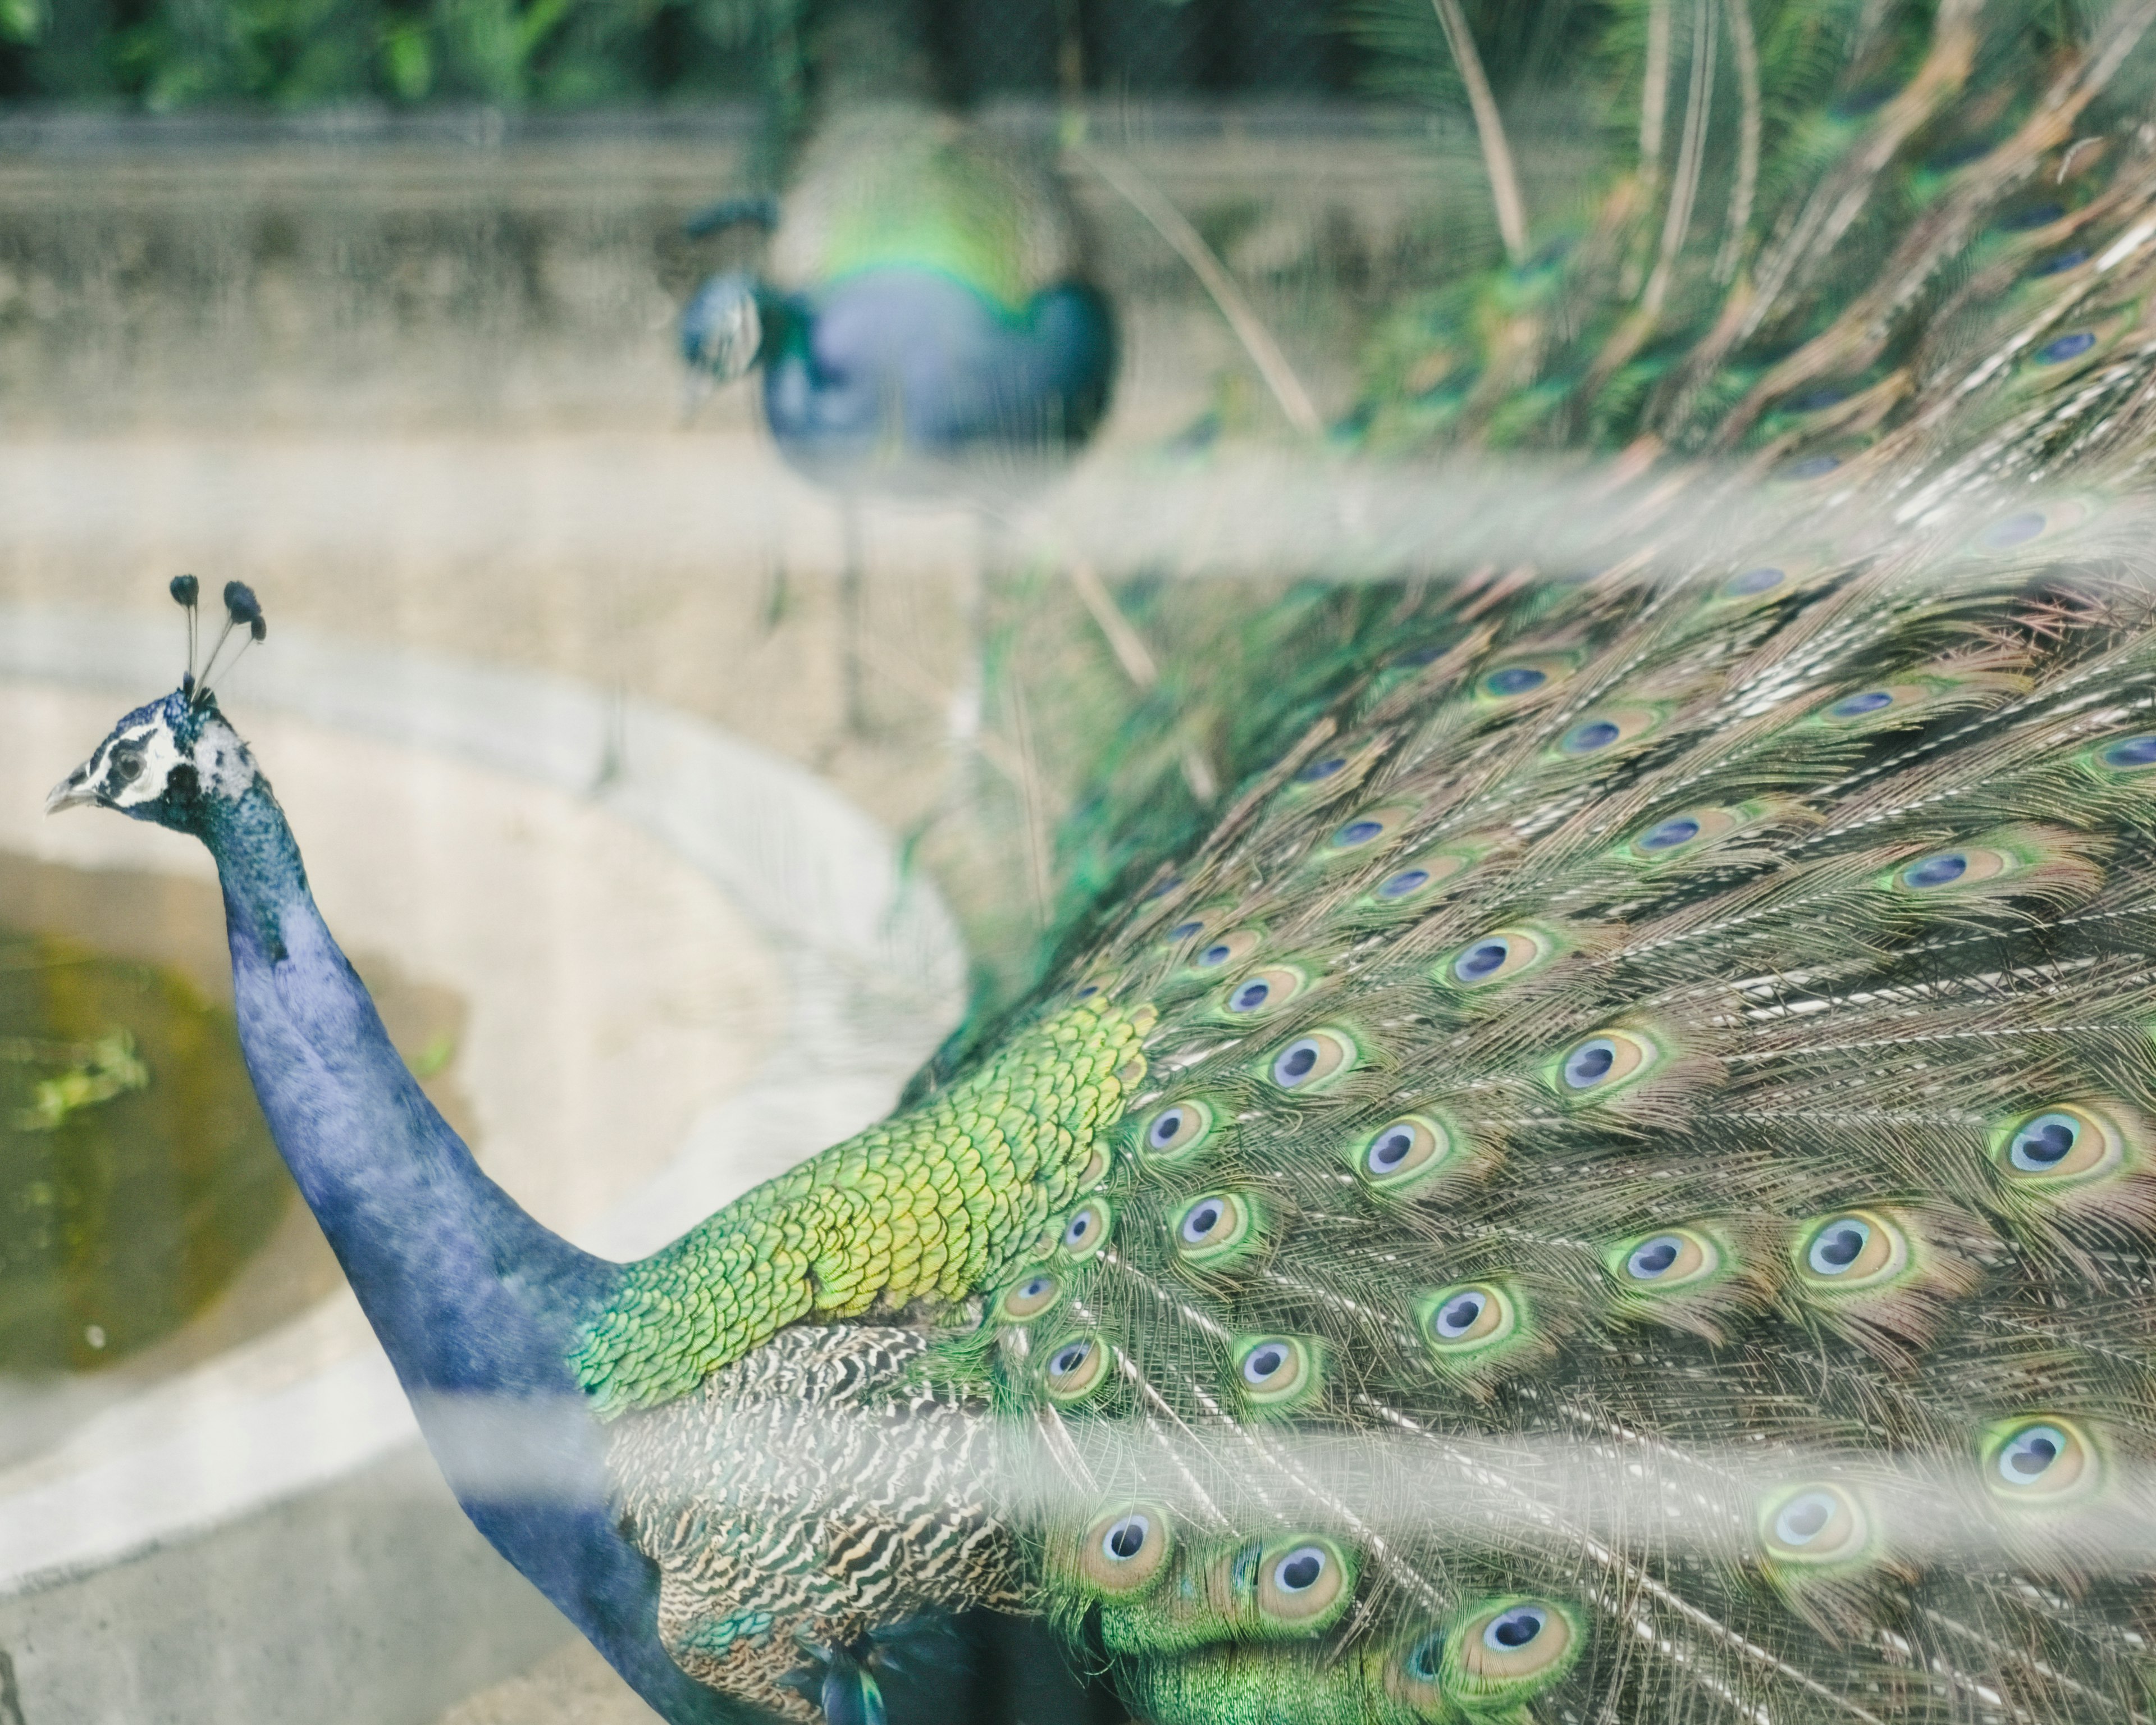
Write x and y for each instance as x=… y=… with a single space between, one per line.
x=72 y=792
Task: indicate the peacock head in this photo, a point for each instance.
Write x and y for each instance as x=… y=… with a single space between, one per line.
x=722 y=327
x=177 y=759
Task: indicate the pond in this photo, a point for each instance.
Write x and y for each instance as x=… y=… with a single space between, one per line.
x=136 y=1173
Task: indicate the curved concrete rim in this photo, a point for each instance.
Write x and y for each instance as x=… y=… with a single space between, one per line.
x=873 y=961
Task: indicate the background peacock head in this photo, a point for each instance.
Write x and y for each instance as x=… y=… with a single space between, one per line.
x=176 y=760
x=722 y=327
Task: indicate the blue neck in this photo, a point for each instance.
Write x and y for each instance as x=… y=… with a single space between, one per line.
x=476 y=1304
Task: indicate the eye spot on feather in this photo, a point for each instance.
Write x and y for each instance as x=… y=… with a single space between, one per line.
x=1274 y=1370
x=1673 y=1259
x=1230 y=949
x=2059 y=263
x=1752 y=582
x=1813 y=1524
x=1402 y=1151
x=1808 y=467
x=2039 y=1459
x=1075 y=1368
x=1310 y=1060
x=1850 y=1251
x=1602 y=731
x=1504 y=1652
x=1400 y=884
x=1364 y=830
x=1028 y=1297
x=2065 y=1144
x=1263 y=992
x=1501 y=956
x=1179 y=1129
x=1469 y=1320
x=2062 y=348
x=1214 y=1227
x=1603 y=1064
x=1686 y=831
x=1126 y=1550
x=1187 y=930
x=1521 y=680
x=1303 y=1586
x=2018 y=529
x=1087 y=1231
x=1973 y=865
x=1324 y=767
x=2129 y=754
x=1862 y=704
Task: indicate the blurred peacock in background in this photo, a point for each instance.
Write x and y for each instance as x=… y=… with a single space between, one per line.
x=1611 y=1175
x=924 y=319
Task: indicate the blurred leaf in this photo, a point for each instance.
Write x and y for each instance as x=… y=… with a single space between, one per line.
x=407 y=61
x=22 y=20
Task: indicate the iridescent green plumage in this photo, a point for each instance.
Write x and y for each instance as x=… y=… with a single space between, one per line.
x=1618 y=1178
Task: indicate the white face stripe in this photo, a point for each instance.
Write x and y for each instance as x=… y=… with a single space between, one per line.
x=220 y=759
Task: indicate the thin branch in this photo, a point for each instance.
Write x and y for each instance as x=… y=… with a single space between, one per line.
x=1170 y=223
x=1655 y=92
x=1746 y=45
x=1490 y=129
x=1138 y=663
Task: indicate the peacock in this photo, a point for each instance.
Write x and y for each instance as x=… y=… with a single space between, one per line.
x=926 y=320
x=1609 y=1176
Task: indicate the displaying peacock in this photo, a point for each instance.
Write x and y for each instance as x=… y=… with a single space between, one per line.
x=925 y=320
x=1613 y=1177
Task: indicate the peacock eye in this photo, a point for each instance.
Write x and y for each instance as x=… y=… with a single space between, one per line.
x=1456 y=1318
x=1403 y=1148
x=1181 y=1127
x=2130 y=754
x=1229 y=949
x=1837 y=1247
x=1311 y=1059
x=1028 y=1298
x=1264 y=991
x=1399 y=885
x=1514 y=680
x=2063 y=348
x=1470 y=1317
x=1605 y=730
x=1500 y=955
x=1753 y=581
x=1654 y=1258
x=2062 y=1144
x=1358 y=832
x=1212 y=1227
x=1123 y=1540
x=1853 y=1250
x=1320 y=769
x=1604 y=1062
x=2039 y=1457
x=1274 y=1369
x=2043 y=1146
x=1185 y=931
x=1125 y=1549
x=1310 y=1579
x=1087 y=1231
x=1509 y=1631
x=1669 y=834
x=1855 y=706
x=1943 y=870
x=1203 y=1220
x=1812 y=1524
x=1516 y=1645
x=1299 y=1571
x=1075 y=1368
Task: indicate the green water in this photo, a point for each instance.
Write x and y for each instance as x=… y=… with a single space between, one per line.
x=136 y=1175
